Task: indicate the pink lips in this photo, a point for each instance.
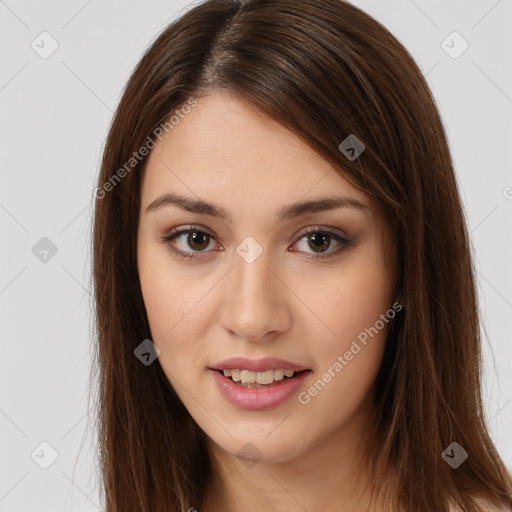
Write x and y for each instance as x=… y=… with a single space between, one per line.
x=258 y=399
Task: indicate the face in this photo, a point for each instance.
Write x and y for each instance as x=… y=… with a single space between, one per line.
x=240 y=279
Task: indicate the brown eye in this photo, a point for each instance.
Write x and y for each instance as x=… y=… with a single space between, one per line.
x=198 y=240
x=320 y=241
x=187 y=242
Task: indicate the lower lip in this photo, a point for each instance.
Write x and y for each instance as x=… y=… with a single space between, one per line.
x=258 y=399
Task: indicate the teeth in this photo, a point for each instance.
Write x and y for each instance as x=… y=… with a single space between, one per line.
x=265 y=377
x=278 y=374
x=249 y=377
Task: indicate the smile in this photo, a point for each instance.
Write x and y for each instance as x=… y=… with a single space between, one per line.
x=249 y=394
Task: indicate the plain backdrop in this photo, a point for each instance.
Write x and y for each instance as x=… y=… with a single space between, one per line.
x=55 y=113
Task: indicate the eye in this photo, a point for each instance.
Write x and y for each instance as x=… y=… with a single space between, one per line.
x=199 y=240
x=319 y=240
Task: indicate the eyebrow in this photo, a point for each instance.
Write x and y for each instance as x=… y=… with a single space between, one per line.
x=287 y=212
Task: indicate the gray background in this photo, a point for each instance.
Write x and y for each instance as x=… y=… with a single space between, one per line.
x=55 y=113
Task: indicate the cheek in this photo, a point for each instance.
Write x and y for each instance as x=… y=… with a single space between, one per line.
x=347 y=362
x=164 y=290
x=160 y=294
x=161 y=303
x=353 y=302
x=360 y=326
x=176 y=314
x=170 y=331
x=356 y=306
x=340 y=394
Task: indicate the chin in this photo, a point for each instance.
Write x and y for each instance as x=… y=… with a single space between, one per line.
x=256 y=446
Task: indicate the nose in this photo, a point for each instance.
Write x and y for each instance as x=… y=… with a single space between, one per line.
x=256 y=299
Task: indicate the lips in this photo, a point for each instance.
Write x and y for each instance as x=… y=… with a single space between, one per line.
x=257 y=365
x=261 y=398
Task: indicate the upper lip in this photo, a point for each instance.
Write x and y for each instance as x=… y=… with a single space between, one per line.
x=257 y=365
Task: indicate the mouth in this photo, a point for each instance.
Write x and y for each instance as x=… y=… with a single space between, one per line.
x=265 y=379
x=241 y=387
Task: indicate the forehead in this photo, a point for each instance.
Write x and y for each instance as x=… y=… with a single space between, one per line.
x=226 y=149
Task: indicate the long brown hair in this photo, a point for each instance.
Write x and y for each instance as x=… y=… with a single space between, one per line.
x=325 y=70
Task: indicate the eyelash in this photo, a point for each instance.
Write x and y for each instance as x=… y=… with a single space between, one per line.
x=170 y=237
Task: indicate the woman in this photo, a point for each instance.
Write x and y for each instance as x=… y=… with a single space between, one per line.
x=286 y=307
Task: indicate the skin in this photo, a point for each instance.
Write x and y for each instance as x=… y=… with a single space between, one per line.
x=285 y=304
